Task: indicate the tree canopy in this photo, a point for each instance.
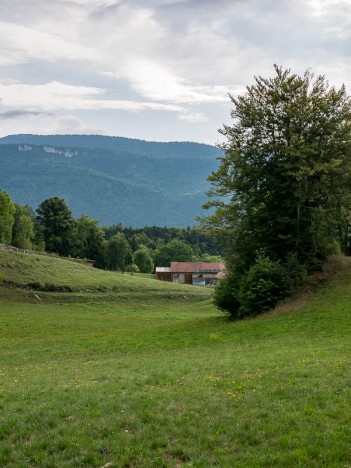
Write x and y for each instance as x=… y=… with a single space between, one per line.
x=283 y=185
x=143 y=260
x=175 y=251
x=284 y=180
x=7 y=211
x=117 y=252
x=23 y=227
x=57 y=223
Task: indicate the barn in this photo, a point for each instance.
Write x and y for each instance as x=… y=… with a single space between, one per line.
x=196 y=273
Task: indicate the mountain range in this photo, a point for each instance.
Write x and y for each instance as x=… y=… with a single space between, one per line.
x=114 y=179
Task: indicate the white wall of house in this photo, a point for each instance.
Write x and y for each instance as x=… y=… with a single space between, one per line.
x=178 y=278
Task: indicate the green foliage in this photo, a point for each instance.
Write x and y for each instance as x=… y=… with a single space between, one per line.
x=286 y=169
x=117 y=251
x=284 y=182
x=201 y=241
x=7 y=211
x=263 y=286
x=143 y=260
x=136 y=183
x=226 y=295
x=55 y=230
x=57 y=223
x=257 y=290
x=88 y=239
x=174 y=251
x=133 y=268
x=23 y=227
x=161 y=150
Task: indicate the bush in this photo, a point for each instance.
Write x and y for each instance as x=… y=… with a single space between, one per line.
x=143 y=261
x=263 y=286
x=133 y=268
x=226 y=295
x=257 y=290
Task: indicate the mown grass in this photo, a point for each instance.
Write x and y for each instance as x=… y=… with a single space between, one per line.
x=169 y=382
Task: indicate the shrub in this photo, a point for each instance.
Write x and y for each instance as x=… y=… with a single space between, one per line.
x=226 y=295
x=132 y=268
x=263 y=286
x=257 y=290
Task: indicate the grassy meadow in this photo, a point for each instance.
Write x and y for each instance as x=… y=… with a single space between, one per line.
x=126 y=371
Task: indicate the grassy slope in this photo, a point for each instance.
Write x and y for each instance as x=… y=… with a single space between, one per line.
x=160 y=379
x=42 y=272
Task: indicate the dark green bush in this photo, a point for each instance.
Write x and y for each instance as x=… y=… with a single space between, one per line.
x=258 y=289
x=35 y=285
x=263 y=286
x=226 y=295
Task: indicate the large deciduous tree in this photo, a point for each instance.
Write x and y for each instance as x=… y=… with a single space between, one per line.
x=143 y=260
x=282 y=190
x=285 y=178
x=57 y=223
x=175 y=251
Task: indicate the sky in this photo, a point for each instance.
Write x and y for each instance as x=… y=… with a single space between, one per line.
x=159 y=70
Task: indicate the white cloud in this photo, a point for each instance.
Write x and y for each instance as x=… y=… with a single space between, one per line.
x=20 y=44
x=70 y=124
x=153 y=81
x=170 y=60
x=193 y=117
x=57 y=95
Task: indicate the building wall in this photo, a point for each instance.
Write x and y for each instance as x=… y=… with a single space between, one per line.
x=164 y=276
x=200 y=279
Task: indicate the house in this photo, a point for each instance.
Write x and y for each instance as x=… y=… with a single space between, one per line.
x=196 y=273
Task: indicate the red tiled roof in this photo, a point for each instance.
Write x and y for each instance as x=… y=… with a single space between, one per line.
x=196 y=267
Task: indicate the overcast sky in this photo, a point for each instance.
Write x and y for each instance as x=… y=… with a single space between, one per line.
x=156 y=69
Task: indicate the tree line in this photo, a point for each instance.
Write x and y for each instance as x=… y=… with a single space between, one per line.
x=52 y=228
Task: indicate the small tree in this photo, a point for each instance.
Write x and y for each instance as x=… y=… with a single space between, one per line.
x=117 y=252
x=88 y=238
x=143 y=260
x=23 y=227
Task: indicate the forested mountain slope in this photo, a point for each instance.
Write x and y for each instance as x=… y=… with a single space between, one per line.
x=150 y=148
x=146 y=184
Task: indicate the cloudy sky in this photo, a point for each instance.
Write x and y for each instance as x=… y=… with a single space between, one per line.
x=156 y=69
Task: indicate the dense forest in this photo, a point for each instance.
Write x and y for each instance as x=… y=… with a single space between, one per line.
x=112 y=179
x=52 y=228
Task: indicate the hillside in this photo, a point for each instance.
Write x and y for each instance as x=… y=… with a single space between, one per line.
x=125 y=371
x=40 y=274
x=178 y=149
x=124 y=181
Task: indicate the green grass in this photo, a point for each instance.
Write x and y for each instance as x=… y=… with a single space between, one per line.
x=160 y=378
x=45 y=273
